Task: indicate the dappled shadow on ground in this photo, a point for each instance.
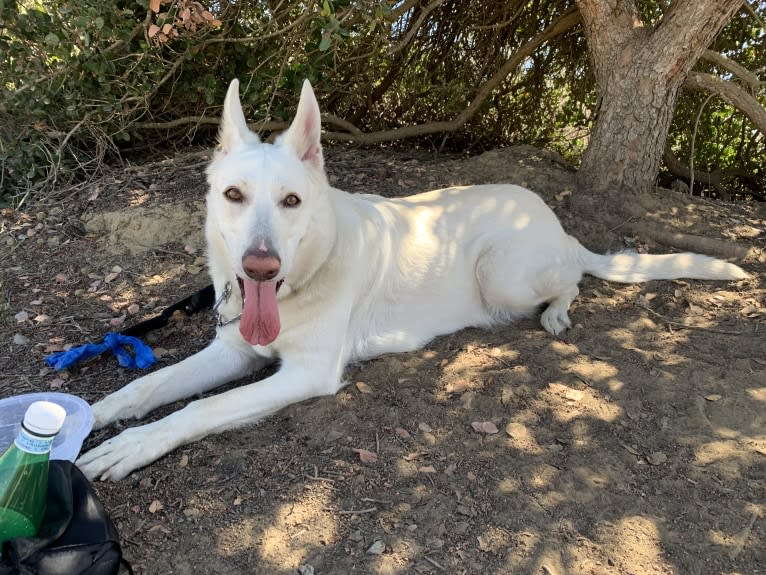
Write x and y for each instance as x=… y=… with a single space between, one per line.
x=634 y=444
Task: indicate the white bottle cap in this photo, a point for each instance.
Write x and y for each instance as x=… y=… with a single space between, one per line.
x=44 y=418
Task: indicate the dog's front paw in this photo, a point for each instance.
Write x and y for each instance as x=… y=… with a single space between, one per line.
x=131 y=402
x=117 y=457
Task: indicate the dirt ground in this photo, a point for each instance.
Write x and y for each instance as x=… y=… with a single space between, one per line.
x=634 y=444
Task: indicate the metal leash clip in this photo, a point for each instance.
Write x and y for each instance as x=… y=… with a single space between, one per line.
x=223 y=298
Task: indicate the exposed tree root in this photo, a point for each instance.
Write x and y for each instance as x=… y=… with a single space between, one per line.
x=629 y=214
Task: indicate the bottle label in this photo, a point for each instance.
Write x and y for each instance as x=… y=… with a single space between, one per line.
x=33 y=443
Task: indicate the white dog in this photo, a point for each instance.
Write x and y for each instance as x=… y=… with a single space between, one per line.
x=318 y=278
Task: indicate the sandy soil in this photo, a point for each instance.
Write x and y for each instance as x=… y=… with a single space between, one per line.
x=635 y=444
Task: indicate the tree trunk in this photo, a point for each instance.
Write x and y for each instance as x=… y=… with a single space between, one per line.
x=639 y=70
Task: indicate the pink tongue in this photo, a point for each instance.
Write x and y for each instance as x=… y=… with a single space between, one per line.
x=260 y=317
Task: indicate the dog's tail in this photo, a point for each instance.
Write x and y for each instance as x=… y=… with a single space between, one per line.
x=630 y=267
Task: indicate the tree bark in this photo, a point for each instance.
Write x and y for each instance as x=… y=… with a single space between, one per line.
x=639 y=70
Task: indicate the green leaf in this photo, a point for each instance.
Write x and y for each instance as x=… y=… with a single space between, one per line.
x=325 y=44
x=52 y=39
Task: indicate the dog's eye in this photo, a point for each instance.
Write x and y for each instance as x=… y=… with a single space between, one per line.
x=233 y=194
x=291 y=201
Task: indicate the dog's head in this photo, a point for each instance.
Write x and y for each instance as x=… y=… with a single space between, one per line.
x=267 y=204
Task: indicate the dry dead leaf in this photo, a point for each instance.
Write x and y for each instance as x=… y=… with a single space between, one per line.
x=57 y=383
x=60 y=278
x=750 y=311
x=154 y=6
x=117 y=321
x=366 y=456
x=110 y=277
x=153 y=29
x=642 y=300
x=363 y=387
x=155 y=506
x=427 y=469
x=415 y=455
x=713 y=397
x=425 y=428
x=401 y=432
x=484 y=427
x=631 y=450
x=21 y=317
x=184 y=460
x=134 y=308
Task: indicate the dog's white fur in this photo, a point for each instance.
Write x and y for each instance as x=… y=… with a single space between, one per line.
x=362 y=276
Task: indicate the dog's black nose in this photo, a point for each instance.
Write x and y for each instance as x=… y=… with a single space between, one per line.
x=261 y=267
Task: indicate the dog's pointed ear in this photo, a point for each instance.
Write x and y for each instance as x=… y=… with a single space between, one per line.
x=234 y=131
x=305 y=131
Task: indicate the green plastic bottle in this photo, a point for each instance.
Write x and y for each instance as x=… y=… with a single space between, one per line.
x=24 y=471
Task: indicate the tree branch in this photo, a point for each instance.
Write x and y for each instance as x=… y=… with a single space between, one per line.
x=565 y=22
x=265 y=125
x=748 y=77
x=414 y=29
x=686 y=30
x=712 y=179
x=731 y=93
x=351 y=133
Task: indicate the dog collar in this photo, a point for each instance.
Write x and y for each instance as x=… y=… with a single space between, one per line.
x=222 y=299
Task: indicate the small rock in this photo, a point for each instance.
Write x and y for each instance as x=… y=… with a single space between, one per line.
x=377 y=548
x=574 y=394
x=333 y=435
x=461 y=527
x=19 y=339
x=355 y=536
x=657 y=458
x=435 y=543
x=306 y=570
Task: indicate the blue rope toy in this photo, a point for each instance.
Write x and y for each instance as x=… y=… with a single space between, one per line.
x=142 y=358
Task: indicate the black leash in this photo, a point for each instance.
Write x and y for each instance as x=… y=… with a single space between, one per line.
x=201 y=300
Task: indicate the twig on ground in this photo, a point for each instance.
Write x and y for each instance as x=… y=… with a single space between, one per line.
x=684 y=326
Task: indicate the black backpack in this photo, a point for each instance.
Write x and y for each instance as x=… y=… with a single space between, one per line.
x=77 y=536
